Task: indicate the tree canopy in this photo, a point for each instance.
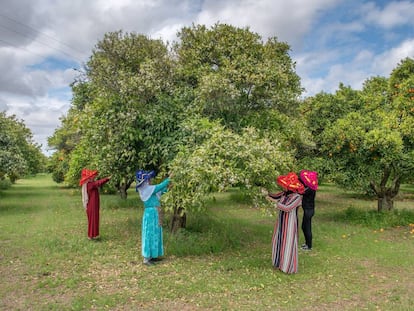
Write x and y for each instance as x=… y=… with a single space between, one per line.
x=233 y=73
x=365 y=138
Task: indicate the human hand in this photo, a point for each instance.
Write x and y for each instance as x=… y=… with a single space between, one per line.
x=271 y=200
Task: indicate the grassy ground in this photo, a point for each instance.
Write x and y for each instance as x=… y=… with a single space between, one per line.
x=222 y=262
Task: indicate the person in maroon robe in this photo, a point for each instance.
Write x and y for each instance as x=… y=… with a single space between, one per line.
x=90 y=199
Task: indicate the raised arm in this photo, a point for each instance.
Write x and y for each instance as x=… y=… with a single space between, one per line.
x=163 y=186
x=98 y=183
x=276 y=196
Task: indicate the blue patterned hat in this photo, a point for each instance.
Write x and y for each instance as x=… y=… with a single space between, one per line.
x=143 y=176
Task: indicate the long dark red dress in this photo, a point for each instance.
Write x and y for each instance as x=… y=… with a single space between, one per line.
x=92 y=209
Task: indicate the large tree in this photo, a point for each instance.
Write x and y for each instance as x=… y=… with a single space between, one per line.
x=365 y=138
x=123 y=108
x=248 y=86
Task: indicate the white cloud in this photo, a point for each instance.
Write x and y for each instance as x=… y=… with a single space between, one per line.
x=388 y=60
x=168 y=33
x=95 y=18
x=365 y=64
x=287 y=20
x=394 y=14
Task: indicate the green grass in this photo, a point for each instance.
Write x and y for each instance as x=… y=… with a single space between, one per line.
x=360 y=261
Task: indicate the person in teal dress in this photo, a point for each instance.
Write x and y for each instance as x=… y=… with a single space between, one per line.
x=152 y=243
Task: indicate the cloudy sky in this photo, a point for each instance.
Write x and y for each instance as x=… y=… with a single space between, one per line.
x=332 y=41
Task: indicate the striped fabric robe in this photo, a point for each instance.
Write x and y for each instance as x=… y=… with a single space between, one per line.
x=285 y=234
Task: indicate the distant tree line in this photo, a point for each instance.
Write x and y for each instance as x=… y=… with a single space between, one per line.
x=19 y=155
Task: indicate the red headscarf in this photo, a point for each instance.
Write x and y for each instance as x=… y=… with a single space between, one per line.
x=291 y=182
x=86 y=175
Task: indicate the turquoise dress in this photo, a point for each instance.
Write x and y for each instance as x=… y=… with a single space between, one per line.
x=152 y=244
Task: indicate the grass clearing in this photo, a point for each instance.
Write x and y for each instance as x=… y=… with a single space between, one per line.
x=221 y=262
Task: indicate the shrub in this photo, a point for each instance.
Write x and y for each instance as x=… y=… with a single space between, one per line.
x=5 y=184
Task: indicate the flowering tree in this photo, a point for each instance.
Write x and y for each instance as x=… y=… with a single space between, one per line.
x=224 y=159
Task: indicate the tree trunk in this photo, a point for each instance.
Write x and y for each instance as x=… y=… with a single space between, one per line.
x=385 y=203
x=122 y=189
x=179 y=220
x=386 y=195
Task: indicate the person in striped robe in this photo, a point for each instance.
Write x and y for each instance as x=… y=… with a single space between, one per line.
x=285 y=234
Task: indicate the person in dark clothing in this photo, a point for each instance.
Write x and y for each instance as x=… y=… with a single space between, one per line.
x=310 y=180
x=308 y=205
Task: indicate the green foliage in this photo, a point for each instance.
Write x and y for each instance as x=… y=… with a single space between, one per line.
x=66 y=138
x=19 y=155
x=323 y=109
x=233 y=73
x=224 y=159
x=288 y=129
x=130 y=66
x=5 y=184
x=401 y=86
x=360 y=148
x=58 y=166
x=79 y=159
x=366 y=136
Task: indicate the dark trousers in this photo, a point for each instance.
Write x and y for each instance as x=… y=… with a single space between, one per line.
x=307 y=225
